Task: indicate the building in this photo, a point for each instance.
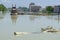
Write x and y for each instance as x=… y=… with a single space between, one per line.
x=57 y=9
x=14 y=10
x=22 y=10
x=34 y=8
x=25 y=9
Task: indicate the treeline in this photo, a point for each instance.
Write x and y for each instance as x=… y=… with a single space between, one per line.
x=48 y=9
x=2 y=7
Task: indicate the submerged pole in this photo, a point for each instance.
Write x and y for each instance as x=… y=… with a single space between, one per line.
x=58 y=17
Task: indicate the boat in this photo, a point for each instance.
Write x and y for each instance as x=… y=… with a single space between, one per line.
x=49 y=29
x=14 y=10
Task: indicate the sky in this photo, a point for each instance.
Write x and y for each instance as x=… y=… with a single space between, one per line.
x=25 y=3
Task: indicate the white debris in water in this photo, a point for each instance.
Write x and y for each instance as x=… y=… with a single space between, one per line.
x=21 y=33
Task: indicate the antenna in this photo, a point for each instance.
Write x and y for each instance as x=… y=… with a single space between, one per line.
x=12 y=5
x=58 y=17
x=15 y=5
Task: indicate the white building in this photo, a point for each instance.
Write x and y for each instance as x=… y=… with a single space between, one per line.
x=34 y=8
x=57 y=9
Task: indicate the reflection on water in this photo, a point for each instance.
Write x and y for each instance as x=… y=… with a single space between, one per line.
x=14 y=18
x=50 y=17
x=32 y=17
x=2 y=14
x=56 y=18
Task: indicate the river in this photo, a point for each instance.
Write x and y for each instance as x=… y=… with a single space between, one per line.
x=27 y=23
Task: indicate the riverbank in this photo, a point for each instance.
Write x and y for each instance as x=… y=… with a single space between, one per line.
x=35 y=13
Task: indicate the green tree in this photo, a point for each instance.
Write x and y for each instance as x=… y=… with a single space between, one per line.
x=2 y=7
x=49 y=9
x=44 y=11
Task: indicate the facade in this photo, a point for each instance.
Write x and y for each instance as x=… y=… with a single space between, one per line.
x=34 y=8
x=57 y=9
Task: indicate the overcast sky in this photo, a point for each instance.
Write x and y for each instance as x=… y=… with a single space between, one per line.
x=25 y=3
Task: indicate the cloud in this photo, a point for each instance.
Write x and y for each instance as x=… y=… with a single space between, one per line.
x=6 y=1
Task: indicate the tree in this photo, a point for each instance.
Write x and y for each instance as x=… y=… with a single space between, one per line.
x=2 y=7
x=49 y=9
x=24 y=8
x=43 y=10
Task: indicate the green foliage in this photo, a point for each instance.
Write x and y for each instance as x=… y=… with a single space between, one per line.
x=2 y=7
x=24 y=8
x=43 y=11
x=49 y=9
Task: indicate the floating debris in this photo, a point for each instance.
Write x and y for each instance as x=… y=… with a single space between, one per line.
x=49 y=29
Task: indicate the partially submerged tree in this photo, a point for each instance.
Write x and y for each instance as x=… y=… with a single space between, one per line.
x=49 y=9
x=2 y=7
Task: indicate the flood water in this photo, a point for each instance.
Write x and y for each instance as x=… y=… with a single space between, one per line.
x=27 y=23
